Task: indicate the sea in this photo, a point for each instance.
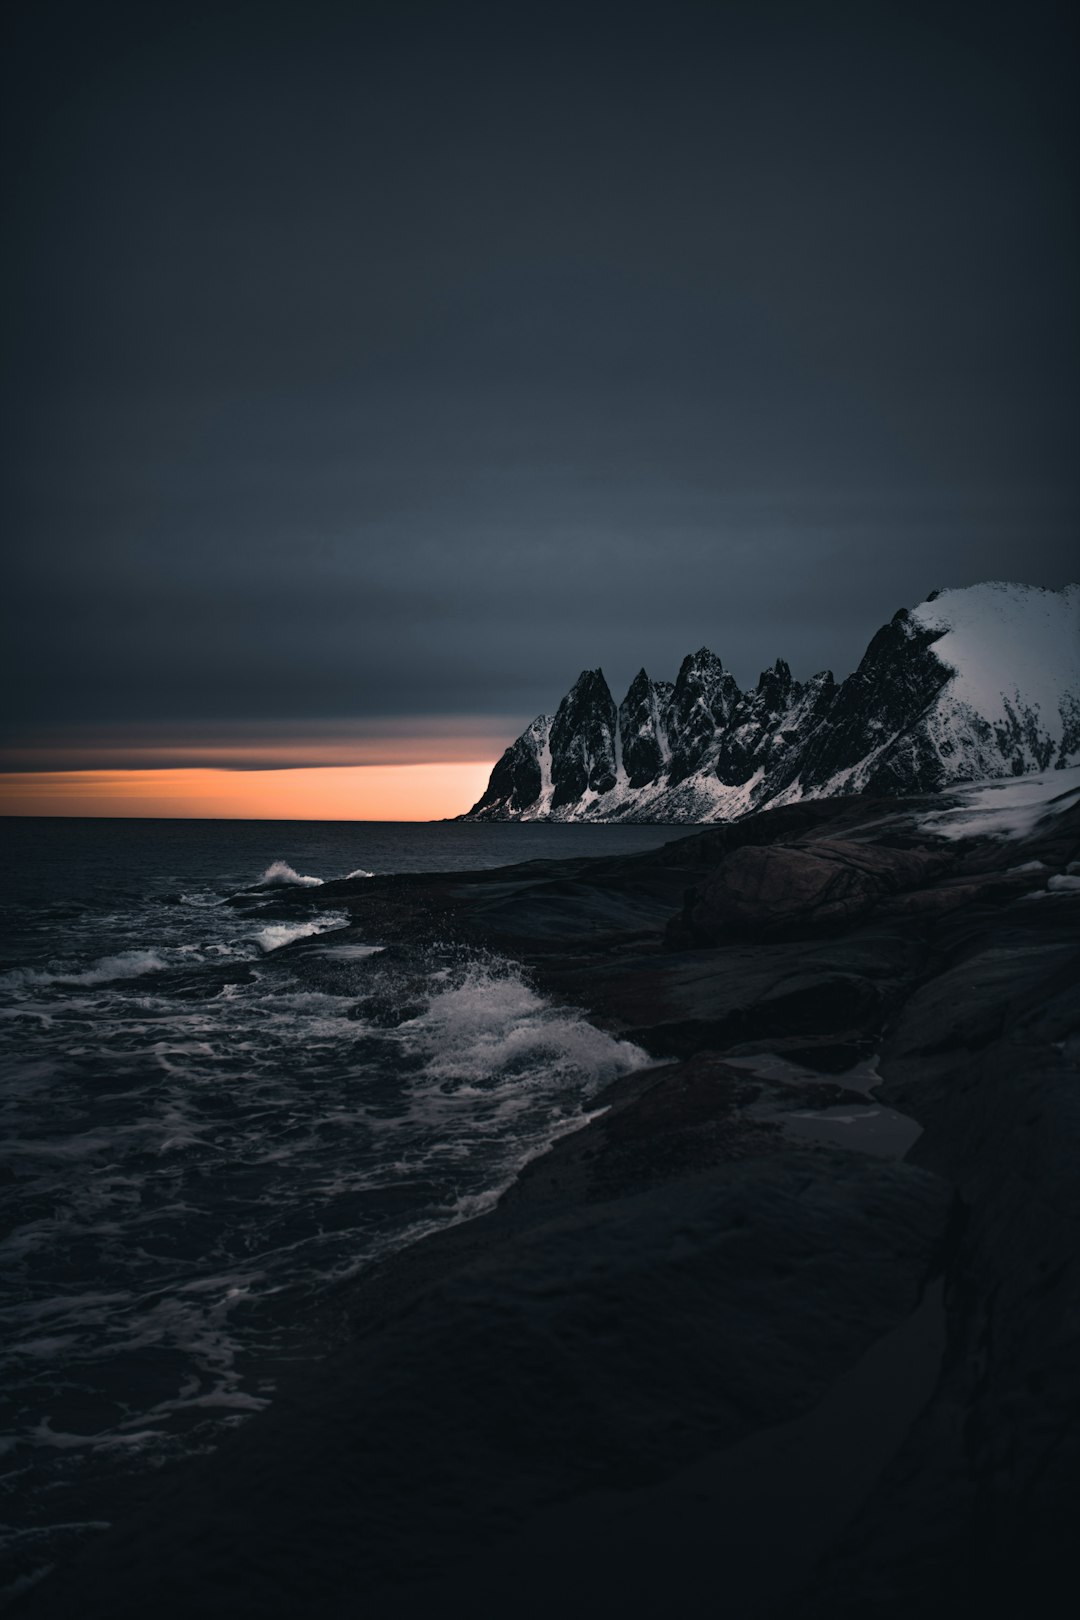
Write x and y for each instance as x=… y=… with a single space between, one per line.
x=216 y=1113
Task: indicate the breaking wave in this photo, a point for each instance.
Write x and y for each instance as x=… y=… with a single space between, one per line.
x=492 y=1023
x=281 y=874
x=273 y=937
x=123 y=965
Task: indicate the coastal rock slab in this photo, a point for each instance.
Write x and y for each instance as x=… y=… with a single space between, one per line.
x=763 y=890
x=609 y=1346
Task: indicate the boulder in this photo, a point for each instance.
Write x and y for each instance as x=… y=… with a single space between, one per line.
x=773 y=890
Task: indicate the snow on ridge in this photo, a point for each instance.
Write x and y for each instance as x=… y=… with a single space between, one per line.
x=976 y=684
x=539 y=734
x=1029 y=632
x=1008 y=807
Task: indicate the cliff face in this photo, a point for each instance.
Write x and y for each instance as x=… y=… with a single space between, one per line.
x=973 y=683
x=583 y=742
x=522 y=778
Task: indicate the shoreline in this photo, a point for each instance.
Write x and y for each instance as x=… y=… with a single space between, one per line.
x=681 y=1304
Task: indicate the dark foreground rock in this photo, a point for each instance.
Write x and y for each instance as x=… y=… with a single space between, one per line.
x=604 y=1349
x=763 y=891
x=721 y=1348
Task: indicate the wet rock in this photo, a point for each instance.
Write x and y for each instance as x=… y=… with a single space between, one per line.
x=606 y=1347
x=974 y=1514
x=788 y=889
x=661 y=1124
x=828 y=1054
x=836 y=991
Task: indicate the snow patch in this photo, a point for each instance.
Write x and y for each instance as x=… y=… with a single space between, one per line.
x=1015 y=650
x=1010 y=807
x=988 y=688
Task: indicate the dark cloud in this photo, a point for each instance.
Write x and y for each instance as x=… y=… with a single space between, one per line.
x=370 y=362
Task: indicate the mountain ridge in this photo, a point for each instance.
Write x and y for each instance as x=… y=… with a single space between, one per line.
x=980 y=681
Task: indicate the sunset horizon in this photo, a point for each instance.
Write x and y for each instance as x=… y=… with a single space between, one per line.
x=416 y=792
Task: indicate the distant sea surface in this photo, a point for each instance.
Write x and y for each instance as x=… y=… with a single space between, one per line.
x=212 y=1115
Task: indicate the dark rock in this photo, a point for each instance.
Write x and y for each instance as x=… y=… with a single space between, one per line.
x=769 y=728
x=897 y=679
x=603 y=1348
x=705 y=751
x=662 y=1124
x=765 y=890
x=701 y=704
x=583 y=740
x=677 y=1003
x=642 y=731
x=784 y=823
x=826 y=1054
x=516 y=781
x=974 y=1514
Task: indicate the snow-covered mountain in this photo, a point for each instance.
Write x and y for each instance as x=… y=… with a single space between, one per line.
x=973 y=683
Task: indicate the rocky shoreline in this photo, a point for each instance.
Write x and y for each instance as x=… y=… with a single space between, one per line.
x=789 y=1327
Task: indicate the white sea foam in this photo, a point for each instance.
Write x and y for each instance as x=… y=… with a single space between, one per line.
x=280 y=873
x=273 y=937
x=359 y=873
x=355 y=1137
x=492 y=1024
x=124 y=965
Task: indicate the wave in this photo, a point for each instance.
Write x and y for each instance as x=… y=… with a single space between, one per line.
x=280 y=873
x=491 y=1025
x=371 y=1094
x=276 y=935
x=124 y=965
x=360 y=872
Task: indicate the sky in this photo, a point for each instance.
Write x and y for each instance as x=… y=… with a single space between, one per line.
x=370 y=370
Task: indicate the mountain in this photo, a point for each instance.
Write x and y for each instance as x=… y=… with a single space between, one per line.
x=973 y=683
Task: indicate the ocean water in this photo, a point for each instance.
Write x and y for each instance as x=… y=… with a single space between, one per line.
x=213 y=1114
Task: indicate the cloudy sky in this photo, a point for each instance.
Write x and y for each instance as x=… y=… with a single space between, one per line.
x=372 y=369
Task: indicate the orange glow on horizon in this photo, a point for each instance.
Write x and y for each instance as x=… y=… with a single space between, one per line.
x=324 y=747
x=426 y=792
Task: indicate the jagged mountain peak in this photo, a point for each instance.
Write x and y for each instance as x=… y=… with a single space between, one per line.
x=520 y=782
x=644 y=749
x=702 y=661
x=583 y=741
x=590 y=680
x=700 y=707
x=976 y=682
x=775 y=684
